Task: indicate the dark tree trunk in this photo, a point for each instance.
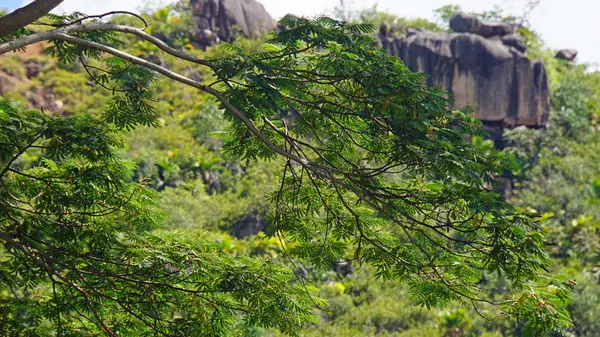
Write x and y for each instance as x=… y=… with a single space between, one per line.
x=26 y=15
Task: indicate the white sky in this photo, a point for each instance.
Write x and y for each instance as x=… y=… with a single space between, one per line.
x=562 y=23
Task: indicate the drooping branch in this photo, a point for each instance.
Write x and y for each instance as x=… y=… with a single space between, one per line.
x=26 y=15
x=61 y=34
x=416 y=232
x=95 y=27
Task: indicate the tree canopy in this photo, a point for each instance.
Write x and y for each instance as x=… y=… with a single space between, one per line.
x=372 y=164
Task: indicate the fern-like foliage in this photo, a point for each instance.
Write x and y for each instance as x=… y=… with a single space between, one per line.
x=385 y=170
x=374 y=163
x=83 y=254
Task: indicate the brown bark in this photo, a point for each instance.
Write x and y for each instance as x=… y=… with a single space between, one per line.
x=26 y=15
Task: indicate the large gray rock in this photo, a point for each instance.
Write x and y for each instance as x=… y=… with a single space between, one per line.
x=503 y=86
x=224 y=20
x=465 y=23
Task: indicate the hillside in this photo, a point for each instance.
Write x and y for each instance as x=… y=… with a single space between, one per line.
x=220 y=199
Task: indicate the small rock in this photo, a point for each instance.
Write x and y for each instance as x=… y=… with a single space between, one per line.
x=301 y=271
x=250 y=225
x=204 y=38
x=34 y=68
x=412 y=31
x=289 y=17
x=343 y=267
x=58 y=105
x=515 y=41
x=566 y=54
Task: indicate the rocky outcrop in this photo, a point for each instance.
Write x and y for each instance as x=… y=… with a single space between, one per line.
x=492 y=75
x=44 y=98
x=27 y=67
x=482 y=64
x=38 y=97
x=223 y=20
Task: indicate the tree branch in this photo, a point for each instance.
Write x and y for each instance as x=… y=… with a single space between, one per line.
x=61 y=34
x=94 y=27
x=26 y=15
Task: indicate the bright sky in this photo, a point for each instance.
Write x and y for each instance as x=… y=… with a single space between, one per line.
x=562 y=23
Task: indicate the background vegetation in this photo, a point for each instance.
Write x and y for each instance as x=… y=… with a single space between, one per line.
x=212 y=196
